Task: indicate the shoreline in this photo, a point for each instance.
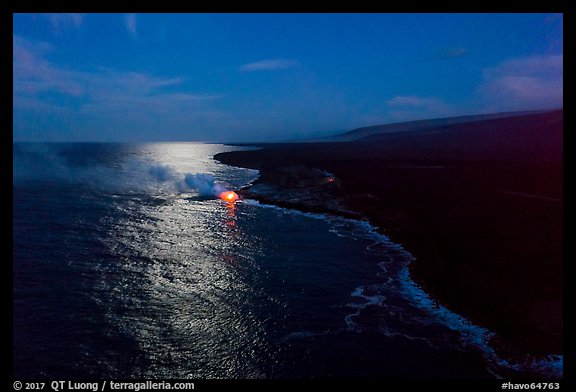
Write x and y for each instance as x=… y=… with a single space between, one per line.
x=477 y=336
x=482 y=248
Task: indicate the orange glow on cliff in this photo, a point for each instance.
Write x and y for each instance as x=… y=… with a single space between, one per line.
x=229 y=196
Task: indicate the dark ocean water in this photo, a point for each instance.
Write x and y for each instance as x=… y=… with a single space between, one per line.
x=126 y=268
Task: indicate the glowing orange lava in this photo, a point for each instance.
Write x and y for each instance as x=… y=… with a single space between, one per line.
x=229 y=196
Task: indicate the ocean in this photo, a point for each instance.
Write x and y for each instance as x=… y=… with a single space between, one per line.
x=126 y=265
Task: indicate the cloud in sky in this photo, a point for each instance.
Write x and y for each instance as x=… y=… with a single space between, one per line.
x=413 y=101
x=456 y=52
x=131 y=24
x=408 y=107
x=269 y=65
x=61 y=21
x=525 y=83
x=33 y=74
x=102 y=95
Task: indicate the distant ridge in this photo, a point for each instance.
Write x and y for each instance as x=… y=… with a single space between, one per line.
x=365 y=132
x=523 y=137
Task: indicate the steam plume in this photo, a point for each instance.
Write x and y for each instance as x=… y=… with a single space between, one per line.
x=204 y=184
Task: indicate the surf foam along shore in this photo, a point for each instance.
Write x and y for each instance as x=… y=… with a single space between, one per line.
x=397 y=278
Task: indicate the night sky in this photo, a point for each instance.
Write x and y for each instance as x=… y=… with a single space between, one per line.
x=257 y=77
